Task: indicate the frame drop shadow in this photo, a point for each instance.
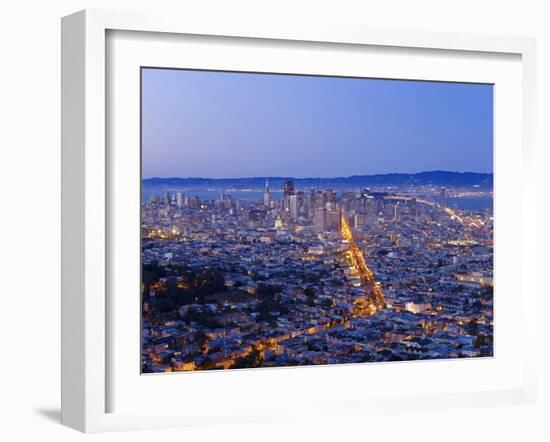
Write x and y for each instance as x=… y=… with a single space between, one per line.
x=51 y=414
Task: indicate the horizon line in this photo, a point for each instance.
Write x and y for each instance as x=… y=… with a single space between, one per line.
x=312 y=177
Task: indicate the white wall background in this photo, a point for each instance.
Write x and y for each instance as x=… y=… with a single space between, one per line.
x=30 y=213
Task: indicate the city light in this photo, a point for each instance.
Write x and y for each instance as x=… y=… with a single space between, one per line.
x=290 y=276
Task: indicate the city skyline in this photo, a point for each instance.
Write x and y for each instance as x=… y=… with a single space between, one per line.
x=299 y=122
x=315 y=277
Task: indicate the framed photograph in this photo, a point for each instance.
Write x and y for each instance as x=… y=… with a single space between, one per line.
x=262 y=222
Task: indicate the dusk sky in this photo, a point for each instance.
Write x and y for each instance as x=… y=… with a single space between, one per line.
x=228 y=125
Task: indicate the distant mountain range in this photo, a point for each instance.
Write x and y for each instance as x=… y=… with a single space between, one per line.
x=438 y=178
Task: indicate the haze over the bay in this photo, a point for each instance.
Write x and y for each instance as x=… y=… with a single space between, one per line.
x=218 y=125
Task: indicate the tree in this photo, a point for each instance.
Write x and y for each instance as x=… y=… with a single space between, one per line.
x=207 y=364
x=200 y=338
x=267 y=291
x=165 y=304
x=253 y=359
x=327 y=302
x=152 y=272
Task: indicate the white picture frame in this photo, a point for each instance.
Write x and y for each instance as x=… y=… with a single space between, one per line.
x=85 y=197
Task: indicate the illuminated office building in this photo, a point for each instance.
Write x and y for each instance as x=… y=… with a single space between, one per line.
x=288 y=188
x=320 y=219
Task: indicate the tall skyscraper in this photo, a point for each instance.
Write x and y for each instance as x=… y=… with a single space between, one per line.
x=333 y=219
x=320 y=219
x=293 y=203
x=179 y=200
x=330 y=196
x=288 y=188
x=267 y=196
x=311 y=200
x=227 y=201
x=442 y=198
x=319 y=198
